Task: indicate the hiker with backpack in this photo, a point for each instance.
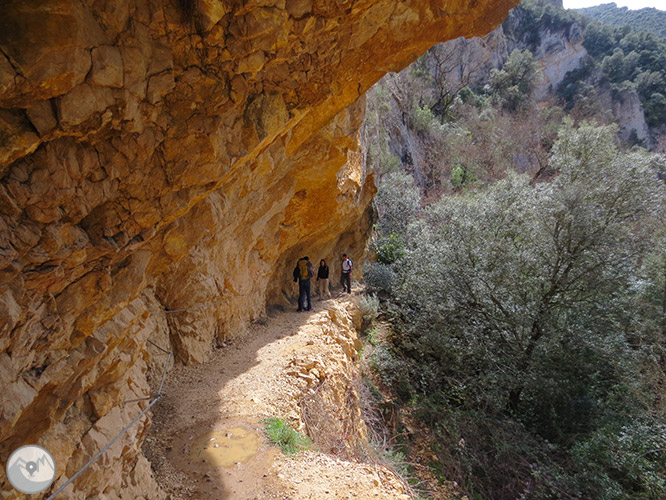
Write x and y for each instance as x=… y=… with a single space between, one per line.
x=345 y=276
x=322 y=280
x=302 y=273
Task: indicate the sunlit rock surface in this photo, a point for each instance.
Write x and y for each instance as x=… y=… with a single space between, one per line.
x=162 y=166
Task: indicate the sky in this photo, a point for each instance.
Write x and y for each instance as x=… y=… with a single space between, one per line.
x=632 y=4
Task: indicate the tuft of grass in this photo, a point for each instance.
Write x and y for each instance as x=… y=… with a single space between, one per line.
x=280 y=434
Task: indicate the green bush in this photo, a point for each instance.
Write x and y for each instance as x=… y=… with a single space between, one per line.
x=423 y=119
x=280 y=434
x=655 y=109
x=461 y=177
x=392 y=369
x=379 y=277
x=389 y=250
x=513 y=84
x=619 y=459
x=519 y=307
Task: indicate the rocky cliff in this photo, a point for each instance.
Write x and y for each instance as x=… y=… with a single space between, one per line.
x=162 y=166
x=555 y=40
x=558 y=47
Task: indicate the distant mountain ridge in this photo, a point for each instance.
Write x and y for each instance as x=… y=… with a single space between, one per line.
x=646 y=19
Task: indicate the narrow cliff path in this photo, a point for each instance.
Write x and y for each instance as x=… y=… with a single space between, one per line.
x=207 y=438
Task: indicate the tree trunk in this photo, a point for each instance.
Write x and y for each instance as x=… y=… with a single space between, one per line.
x=523 y=364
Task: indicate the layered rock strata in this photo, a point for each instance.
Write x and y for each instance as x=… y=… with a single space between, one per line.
x=162 y=165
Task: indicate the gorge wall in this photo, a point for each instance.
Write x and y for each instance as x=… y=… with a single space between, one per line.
x=162 y=166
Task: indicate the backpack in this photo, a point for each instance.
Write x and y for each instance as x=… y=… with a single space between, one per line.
x=303 y=271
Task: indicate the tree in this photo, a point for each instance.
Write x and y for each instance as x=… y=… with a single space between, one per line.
x=534 y=312
x=396 y=202
x=514 y=83
x=521 y=284
x=599 y=39
x=655 y=109
x=614 y=68
x=453 y=67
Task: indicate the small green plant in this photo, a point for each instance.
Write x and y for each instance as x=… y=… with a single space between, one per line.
x=372 y=336
x=280 y=434
x=424 y=120
x=461 y=177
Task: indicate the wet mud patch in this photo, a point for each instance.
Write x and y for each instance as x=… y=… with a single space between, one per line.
x=225 y=448
x=221 y=460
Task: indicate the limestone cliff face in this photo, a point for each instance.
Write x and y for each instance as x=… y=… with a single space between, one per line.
x=162 y=166
x=628 y=113
x=558 y=48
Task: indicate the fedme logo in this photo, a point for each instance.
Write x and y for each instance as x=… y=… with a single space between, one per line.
x=31 y=469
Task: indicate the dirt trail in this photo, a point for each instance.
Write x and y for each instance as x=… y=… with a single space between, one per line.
x=211 y=414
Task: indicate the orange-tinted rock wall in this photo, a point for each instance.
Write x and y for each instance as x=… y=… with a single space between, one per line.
x=172 y=155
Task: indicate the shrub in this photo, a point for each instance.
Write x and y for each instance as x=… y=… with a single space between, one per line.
x=280 y=434
x=379 y=277
x=461 y=177
x=424 y=119
x=369 y=307
x=389 y=249
x=392 y=369
x=623 y=458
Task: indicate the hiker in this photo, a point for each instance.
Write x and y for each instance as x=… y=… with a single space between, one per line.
x=322 y=280
x=345 y=277
x=302 y=273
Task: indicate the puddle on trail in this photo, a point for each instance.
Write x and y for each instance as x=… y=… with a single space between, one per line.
x=225 y=448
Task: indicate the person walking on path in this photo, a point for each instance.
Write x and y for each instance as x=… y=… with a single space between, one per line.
x=322 y=280
x=302 y=273
x=345 y=276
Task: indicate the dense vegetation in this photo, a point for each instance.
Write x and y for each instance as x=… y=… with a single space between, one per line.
x=528 y=21
x=534 y=314
x=634 y=60
x=521 y=264
x=628 y=57
x=648 y=19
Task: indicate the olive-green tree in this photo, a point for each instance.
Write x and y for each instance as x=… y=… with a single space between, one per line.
x=522 y=300
x=513 y=84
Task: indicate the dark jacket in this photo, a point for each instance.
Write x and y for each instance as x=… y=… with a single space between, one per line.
x=322 y=273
